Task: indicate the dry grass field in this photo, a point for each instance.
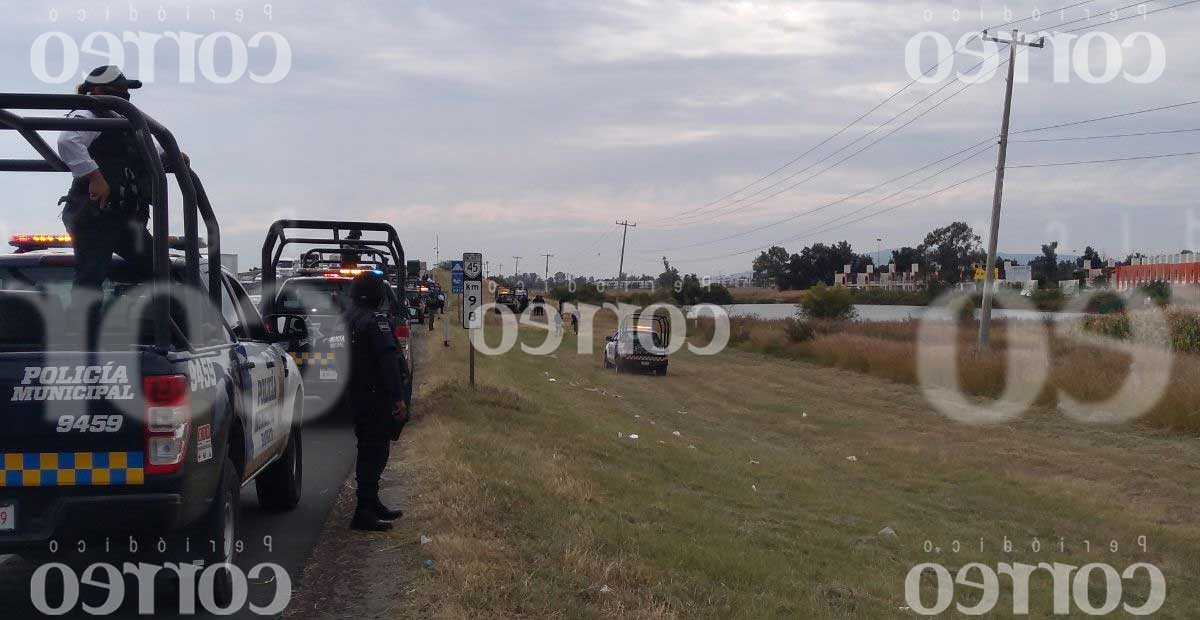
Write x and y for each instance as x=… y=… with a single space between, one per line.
x=739 y=499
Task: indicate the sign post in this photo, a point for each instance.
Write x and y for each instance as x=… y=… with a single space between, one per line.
x=472 y=301
x=456 y=286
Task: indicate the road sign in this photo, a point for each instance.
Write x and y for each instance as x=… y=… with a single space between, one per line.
x=456 y=276
x=472 y=265
x=472 y=290
x=472 y=300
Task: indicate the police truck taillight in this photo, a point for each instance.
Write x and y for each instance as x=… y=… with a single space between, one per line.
x=402 y=332
x=168 y=419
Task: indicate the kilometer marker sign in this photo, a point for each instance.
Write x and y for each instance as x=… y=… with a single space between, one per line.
x=472 y=290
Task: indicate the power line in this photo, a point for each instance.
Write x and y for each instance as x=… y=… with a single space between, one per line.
x=826 y=140
x=823 y=227
x=1032 y=130
x=1090 y=17
x=759 y=201
x=846 y=198
x=1109 y=117
x=1108 y=136
x=989 y=170
x=1107 y=161
x=1058 y=10
x=1113 y=21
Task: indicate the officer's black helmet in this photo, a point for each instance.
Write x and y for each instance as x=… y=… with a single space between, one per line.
x=368 y=289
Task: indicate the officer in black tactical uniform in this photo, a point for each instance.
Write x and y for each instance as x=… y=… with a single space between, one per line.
x=376 y=395
x=108 y=205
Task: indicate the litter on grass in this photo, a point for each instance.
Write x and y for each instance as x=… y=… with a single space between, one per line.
x=425 y=540
x=852 y=459
x=633 y=437
x=676 y=433
x=552 y=380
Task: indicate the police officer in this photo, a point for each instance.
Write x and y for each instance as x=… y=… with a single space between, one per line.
x=376 y=394
x=108 y=205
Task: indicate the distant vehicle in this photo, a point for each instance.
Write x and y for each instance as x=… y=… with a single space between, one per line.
x=515 y=300
x=286 y=268
x=638 y=346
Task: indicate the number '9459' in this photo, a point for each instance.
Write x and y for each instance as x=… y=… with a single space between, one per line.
x=90 y=423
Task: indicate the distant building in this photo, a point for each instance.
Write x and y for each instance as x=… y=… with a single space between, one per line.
x=1176 y=269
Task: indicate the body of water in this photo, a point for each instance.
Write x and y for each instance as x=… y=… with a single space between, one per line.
x=891 y=313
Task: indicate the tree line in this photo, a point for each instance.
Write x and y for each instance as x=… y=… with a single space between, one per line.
x=948 y=255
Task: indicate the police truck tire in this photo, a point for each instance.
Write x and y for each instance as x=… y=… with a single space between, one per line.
x=617 y=363
x=279 y=486
x=218 y=532
x=607 y=364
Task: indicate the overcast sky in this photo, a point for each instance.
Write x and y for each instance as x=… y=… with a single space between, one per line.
x=524 y=128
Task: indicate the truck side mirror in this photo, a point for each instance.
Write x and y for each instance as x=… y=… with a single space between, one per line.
x=287 y=326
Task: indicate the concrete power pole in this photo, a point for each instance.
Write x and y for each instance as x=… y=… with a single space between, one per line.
x=989 y=276
x=546 y=281
x=517 y=266
x=437 y=251
x=621 y=269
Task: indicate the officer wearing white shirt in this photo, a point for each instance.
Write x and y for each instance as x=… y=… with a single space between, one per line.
x=108 y=205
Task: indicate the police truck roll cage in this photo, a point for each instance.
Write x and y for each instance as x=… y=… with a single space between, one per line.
x=317 y=257
x=146 y=130
x=278 y=239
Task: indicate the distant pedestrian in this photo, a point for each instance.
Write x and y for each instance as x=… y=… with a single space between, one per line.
x=575 y=322
x=558 y=324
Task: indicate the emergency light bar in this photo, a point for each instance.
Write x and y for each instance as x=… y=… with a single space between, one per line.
x=65 y=241
x=46 y=241
x=342 y=273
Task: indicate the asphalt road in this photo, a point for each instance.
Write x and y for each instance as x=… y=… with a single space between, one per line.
x=328 y=457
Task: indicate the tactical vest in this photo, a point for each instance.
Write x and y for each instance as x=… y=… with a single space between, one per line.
x=117 y=154
x=364 y=368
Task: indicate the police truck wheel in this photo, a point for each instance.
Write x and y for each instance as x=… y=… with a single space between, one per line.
x=607 y=364
x=617 y=363
x=280 y=484
x=216 y=535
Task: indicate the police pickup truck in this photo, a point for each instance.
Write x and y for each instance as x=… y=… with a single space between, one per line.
x=142 y=411
x=639 y=344
x=320 y=293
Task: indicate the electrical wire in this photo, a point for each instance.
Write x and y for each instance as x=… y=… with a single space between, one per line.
x=852 y=196
x=1106 y=118
x=1103 y=161
x=965 y=86
x=1058 y=10
x=1147 y=13
x=1108 y=136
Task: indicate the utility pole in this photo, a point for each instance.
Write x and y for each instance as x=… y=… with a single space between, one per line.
x=621 y=269
x=989 y=274
x=437 y=251
x=546 y=280
x=486 y=274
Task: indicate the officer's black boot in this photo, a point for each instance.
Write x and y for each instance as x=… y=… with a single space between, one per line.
x=366 y=520
x=385 y=513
